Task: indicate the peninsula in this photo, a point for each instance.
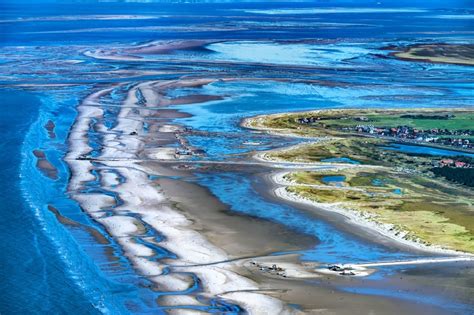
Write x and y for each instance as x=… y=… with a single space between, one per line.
x=405 y=173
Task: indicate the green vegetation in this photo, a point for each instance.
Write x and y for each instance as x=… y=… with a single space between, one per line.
x=392 y=118
x=457 y=175
x=395 y=187
x=330 y=119
x=426 y=209
x=336 y=142
x=358 y=149
x=460 y=121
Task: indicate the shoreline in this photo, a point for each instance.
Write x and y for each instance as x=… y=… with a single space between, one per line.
x=358 y=218
x=409 y=53
x=144 y=207
x=142 y=216
x=362 y=220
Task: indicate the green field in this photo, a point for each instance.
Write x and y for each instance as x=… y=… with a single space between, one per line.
x=460 y=121
x=332 y=121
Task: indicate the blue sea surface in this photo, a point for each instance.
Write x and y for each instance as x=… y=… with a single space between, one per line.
x=36 y=249
x=47 y=267
x=334 y=179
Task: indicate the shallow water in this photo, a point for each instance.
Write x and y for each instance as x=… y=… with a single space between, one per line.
x=333 y=179
x=238 y=191
x=40 y=257
x=340 y=160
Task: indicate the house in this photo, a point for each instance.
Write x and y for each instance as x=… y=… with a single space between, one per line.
x=446 y=162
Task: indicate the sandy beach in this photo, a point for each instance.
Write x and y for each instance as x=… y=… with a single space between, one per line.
x=237 y=158
x=358 y=218
x=179 y=236
x=227 y=252
x=144 y=206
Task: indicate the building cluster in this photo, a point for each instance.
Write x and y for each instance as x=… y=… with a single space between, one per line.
x=313 y=119
x=454 y=163
x=437 y=136
x=460 y=138
x=308 y=120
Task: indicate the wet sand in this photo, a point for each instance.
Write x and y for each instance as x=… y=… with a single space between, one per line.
x=239 y=235
x=140 y=217
x=252 y=239
x=461 y=54
x=148 y=208
x=45 y=166
x=49 y=126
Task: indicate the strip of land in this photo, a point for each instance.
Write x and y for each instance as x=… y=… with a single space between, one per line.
x=459 y=54
x=161 y=224
x=395 y=193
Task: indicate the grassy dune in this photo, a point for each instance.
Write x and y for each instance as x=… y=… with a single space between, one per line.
x=427 y=210
x=400 y=190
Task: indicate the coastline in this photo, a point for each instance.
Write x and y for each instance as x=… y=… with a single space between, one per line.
x=170 y=241
x=363 y=220
x=360 y=219
x=139 y=208
x=130 y=186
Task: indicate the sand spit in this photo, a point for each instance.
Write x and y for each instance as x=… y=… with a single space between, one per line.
x=162 y=47
x=132 y=53
x=167 y=247
x=361 y=270
x=138 y=214
x=50 y=126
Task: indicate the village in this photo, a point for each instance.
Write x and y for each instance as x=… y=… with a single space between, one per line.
x=447 y=137
x=439 y=136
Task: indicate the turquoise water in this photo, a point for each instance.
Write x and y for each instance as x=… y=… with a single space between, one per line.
x=417 y=149
x=333 y=179
x=378 y=182
x=340 y=160
x=49 y=268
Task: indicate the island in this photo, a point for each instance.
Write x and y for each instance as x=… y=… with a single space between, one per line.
x=404 y=172
x=460 y=54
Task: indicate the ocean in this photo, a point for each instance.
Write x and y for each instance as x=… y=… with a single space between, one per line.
x=48 y=267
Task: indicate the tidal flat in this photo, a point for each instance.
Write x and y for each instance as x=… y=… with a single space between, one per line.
x=130 y=181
